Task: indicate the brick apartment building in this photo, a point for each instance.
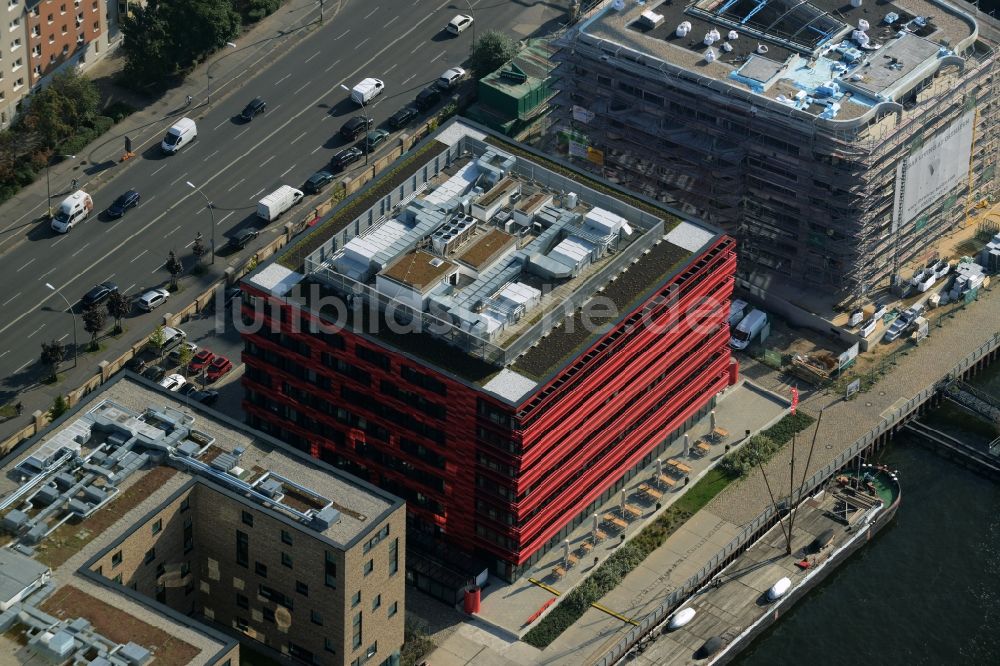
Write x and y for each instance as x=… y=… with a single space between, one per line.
x=507 y=418
x=238 y=536
x=42 y=37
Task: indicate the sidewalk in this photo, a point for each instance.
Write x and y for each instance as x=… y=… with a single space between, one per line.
x=100 y=162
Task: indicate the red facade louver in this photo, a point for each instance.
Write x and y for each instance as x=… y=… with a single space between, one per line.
x=504 y=480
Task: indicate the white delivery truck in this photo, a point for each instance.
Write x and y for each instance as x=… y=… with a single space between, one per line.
x=367 y=90
x=73 y=209
x=749 y=328
x=183 y=132
x=274 y=204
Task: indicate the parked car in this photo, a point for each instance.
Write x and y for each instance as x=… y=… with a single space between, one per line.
x=219 y=366
x=902 y=322
x=98 y=295
x=317 y=182
x=459 y=24
x=427 y=98
x=175 y=355
x=254 y=108
x=154 y=373
x=355 y=127
x=451 y=78
x=402 y=118
x=376 y=138
x=121 y=205
x=345 y=158
x=153 y=299
x=243 y=238
x=200 y=361
x=173 y=338
x=173 y=382
x=206 y=397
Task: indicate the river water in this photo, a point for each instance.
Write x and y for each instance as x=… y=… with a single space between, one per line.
x=926 y=590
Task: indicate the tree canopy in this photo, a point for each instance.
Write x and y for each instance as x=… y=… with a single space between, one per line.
x=492 y=50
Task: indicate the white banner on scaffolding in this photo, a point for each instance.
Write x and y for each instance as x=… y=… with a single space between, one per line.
x=577 y=149
x=939 y=165
x=582 y=115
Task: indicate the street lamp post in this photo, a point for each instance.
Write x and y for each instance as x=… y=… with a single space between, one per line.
x=364 y=110
x=48 y=187
x=211 y=212
x=208 y=73
x=473 y=13
x=70 y=308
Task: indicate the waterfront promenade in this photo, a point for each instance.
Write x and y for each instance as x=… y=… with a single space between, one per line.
x=667 y=568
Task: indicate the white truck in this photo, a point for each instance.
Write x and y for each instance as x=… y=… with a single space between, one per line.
x=271 y=207
x=367 y=90
x=74 y=209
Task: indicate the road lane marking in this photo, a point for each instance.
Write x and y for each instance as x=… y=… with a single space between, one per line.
x=172 y=231
x=32 y=334
x=222 y=123
x=389 y=70
x=210 y=156
x=438 y=56
x=286 y=171
x=65 y=335
x=299 y=137
x=343 y=34
x=335 y=63
x=410 y=78
x=138 y=255
x=159 y=170
x=369 y=15
x=361 y=43
x=5 y=353
x=82 y=248
x=391 y=20
x=108 y=278
x=229 y=214
x=59 y=240
x=42 y=277
x=417 y=48
x=129 y=288
x=302 y=87
x=23 y=367
x=30 y=261
x=179 y=178
x=11 y=298
x=313 y=56
x=267 y=160
x=254 y=195
x=243 y=132
x=306 y=109
x=236 y=184
x=282 y=78
x=156 y=269
x=315 y=150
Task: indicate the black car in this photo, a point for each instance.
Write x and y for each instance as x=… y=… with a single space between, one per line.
x=98 y=294
x=254 y=108
x=242 y=238
x=128 y=200
x=346 y=157
x=402 y=118
x=154 y=373
x=355 y=127
x=206 y=397
x=427 y=98
x=233 y=294
x=317 y=182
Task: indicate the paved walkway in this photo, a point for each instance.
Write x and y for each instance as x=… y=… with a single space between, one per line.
x=687 y=550
x=230 y=70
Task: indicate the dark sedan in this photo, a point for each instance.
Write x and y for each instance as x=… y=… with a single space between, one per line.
x=243 y=238
x=128 y=200
x=254 y=108
x=346 y=157
x=403 y=117
x=317 y=182
x=98 y=295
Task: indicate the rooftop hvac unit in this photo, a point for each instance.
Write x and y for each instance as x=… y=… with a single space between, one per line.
x=683 y=29
x=710 y=55
x=727 y=47
x=651 y=18
x=712 y=36
x=732 y=35
x=863 y=24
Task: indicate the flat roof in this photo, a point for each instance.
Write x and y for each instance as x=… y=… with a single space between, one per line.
x=17 y=572
x=418 y=269
x=482 y=250
x=755 y=44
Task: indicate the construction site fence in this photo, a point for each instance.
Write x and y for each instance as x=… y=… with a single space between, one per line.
x=750 y=531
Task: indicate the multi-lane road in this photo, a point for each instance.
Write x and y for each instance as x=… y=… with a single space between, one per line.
x=402 y=42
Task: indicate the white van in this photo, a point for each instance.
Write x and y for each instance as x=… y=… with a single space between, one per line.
x=183 y=132
x=367 y=90
x=73 y=209
x=748 y=329
x=274 y=204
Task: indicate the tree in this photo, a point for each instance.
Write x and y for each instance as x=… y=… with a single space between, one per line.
x=174 y=267
x=94 y=319
x=148 y=56
x=157 y=339
x=198 y=249
x=59 y=407
x=118 y=307
x=58 y=111
x=184 y=356
x=53 y=354
x=491 y=51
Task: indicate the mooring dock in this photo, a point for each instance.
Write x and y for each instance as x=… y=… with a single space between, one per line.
x=734 y=607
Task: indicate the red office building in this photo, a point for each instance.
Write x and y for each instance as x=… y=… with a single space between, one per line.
x=498 y=343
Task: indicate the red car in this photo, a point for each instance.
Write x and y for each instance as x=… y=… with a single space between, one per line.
x=200 y=361
x=219 y=366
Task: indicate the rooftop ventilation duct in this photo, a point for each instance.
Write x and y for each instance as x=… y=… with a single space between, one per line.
x=711 y=37
x=733 y=35
x=683 y=29
x=762 y=49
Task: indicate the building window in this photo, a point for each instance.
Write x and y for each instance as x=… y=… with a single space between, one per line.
x=116 y=559
x=242 y=549
x=356 y=599
x=260 y=569
x=328 y=645
x=286 y=560
x=188 y=534
x=118 y=579
x=286 y=537
x=268 y=614
x=372 y=649
x=393 y=608
x=302 y=588
x=242 y=601
x=376 y=602
x=161 y=569
x=150 y=556
x=356 y=631
x=248 y=519
x=394 y=557
x=369 y=566
x=330 y=571
x=371 y=543
x=316 y=618
x=185 y=504
x=157 y=526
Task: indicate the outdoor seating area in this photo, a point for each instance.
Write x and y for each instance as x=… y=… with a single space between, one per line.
x=679 y=466
x=701 y=448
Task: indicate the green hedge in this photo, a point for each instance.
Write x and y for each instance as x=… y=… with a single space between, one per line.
x=625 y=559
x=763 y=446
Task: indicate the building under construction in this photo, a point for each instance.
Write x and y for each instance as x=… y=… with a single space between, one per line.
x=837 y=140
